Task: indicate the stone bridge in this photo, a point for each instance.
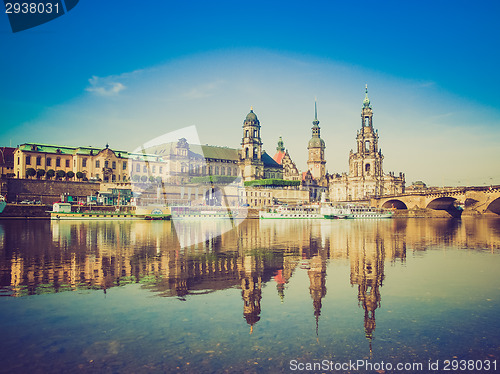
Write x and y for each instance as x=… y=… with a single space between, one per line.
x=474 y=200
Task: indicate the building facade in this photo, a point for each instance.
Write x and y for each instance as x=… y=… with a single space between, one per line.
x=282 y=157
x=84 y=163
x=366 y=177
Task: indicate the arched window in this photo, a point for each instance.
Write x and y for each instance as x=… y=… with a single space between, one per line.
x=367 y=121
x=255 y=153
x=247 y=153
x=138 y=168
x=367 y=169
x=144 y=169
x=367 y=146
x=246 y=134
x=222 y=170
x=255 y=134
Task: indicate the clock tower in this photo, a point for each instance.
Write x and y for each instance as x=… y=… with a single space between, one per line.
x=316 y=147
x=251 y=164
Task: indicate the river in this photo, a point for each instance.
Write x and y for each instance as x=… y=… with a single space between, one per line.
x=342 y=296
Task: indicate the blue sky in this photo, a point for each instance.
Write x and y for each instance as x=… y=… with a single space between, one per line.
x=125 y=72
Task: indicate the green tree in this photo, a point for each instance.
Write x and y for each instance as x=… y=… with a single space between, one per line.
x=152 y=179
x=79 y=175
x=50 y=174
x=60 y=174
x=159 y=180
x=30 y=172
x=70 y=174
x=136 y=178
x=144 y=178
x=40 y=173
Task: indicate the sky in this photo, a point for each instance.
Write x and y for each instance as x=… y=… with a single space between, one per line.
x=126 y=72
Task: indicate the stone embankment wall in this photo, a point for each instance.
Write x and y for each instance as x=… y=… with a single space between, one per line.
x=25 y=211
x=46 y=191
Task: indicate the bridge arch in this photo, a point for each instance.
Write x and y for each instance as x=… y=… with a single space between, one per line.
x=394 y=203
x=494 y=206
x=442 y=203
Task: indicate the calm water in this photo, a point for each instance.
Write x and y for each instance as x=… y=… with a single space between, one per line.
x=267 y=296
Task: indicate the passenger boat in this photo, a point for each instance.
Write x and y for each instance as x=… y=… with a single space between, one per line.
x=292 y=211
x=207 y=212
x=355 y=211
x=336 y=212
x=62 y=211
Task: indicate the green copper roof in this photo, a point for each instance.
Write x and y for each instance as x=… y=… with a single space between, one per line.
x=366 y=101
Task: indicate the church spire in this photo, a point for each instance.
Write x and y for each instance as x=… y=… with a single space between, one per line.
x=315 y=122
x=366 y=101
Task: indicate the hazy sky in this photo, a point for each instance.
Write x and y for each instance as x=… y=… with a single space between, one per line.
x=126 y=72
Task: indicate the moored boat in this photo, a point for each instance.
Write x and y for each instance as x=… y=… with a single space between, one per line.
x=207 y=212
x=291 y=212
x=63 y=211
x=3 y=203
x=355 y=212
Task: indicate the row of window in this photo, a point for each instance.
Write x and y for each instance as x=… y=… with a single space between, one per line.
x=67 y=162
x=48 y=162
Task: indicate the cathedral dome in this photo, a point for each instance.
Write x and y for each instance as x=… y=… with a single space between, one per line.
x=316 y=143
x=251 y=116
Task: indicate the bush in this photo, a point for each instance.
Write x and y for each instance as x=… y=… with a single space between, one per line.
x=40 y=173
x=70 y=174
x=30 y=172
x=144 y=178
x=61 y=174
x=50 y=174
x=136 y=178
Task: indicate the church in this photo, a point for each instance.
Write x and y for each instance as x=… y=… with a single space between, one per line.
x=366 y=177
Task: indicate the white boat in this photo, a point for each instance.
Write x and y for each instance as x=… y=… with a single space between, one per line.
x=291 y=211
x=207 y=212
x=336 y=212
x=355 y=211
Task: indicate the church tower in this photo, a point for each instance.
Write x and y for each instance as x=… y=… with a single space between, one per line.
x=250 y=163
x=367 y=161
x=316 y=147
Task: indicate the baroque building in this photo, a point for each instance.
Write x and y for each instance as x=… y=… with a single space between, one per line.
x=255 y=163
x=366 y=177
x=282 y=157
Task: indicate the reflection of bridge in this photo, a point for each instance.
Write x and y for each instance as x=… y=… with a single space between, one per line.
x=473 y=199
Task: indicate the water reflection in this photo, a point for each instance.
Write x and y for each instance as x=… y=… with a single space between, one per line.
x=44 y=257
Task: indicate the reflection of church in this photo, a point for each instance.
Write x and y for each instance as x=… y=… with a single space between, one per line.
x=367 y=272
